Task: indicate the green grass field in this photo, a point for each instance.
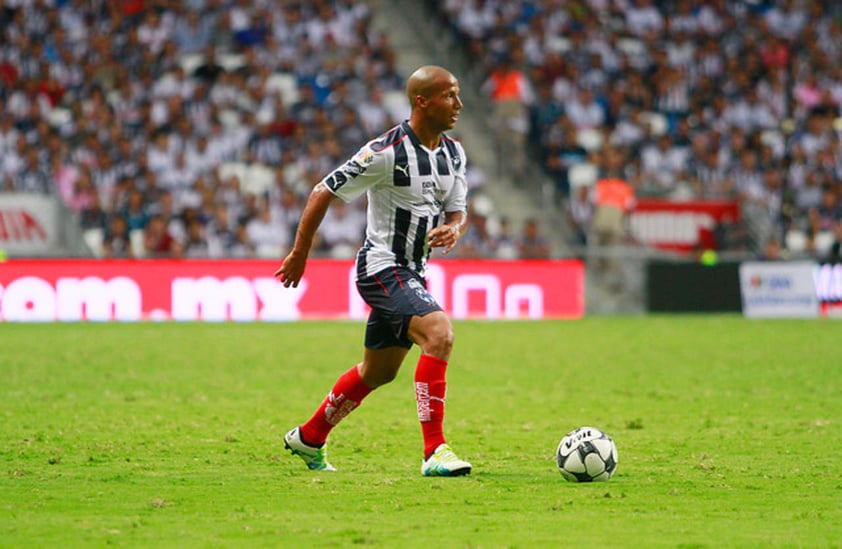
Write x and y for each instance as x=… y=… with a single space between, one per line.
x=729 y=433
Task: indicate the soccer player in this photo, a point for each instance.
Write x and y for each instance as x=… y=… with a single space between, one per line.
x=414 y=177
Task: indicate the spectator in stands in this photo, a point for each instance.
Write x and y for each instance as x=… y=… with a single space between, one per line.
x=34 y=176
x=828 y=213
x=267 y=234
x=563 y=152
x=580 y=211
x=158 y=242
x=242 y=247
x=532 y=244
x=117 y=243
x=478 y=241
x=209 y=69
x=342 y=230
x=613 y=199
x=195 y=243
x=135 y=212
x=192 y=33
x=511 y=95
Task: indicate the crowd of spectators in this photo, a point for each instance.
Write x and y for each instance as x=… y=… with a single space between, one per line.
x=196 y=128
x=191 y=128
x=726 y=99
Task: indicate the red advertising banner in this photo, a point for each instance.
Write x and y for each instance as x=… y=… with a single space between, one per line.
x=680 y=226
x=216 y=290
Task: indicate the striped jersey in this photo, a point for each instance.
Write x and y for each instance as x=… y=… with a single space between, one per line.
x=409 y=188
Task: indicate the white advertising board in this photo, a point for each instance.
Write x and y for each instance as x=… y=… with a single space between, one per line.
x=29 y=224
x=779 y=289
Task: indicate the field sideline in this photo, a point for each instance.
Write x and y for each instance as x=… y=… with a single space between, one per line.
x=729 y=434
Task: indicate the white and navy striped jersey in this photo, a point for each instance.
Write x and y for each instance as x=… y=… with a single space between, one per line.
x=409 y=187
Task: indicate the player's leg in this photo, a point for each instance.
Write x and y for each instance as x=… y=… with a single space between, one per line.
x=384 y=353
x=433 y=332
x=380 y=366
x=308 y=440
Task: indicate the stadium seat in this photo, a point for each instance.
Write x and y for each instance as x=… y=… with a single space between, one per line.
x=558 y=44
x=284 y=84
x=583 y=174
x=343 y=251
x=591 y=139
x=631 y=47
x=657 y=122
x=93 y=239
x=136 y=240
x=824 y=240
x=228 y=170
x=795 y=241
x=771 y=137
x=257 y=179
x=482 y=205
x=231 y=62
x=190 y=62
x=230 y=118
x=268 y=251
x=396 y=104
x=59 y=116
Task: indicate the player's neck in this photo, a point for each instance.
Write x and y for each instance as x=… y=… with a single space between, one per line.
x=428 y=137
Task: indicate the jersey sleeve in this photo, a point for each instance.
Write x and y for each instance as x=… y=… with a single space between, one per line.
x=358 y=174
x=457 y=199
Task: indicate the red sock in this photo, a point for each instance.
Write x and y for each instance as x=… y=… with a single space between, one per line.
x=430 y=388
x=346 y=395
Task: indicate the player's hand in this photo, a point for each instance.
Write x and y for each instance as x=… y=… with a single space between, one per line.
x=291 y=270
x=445 y=237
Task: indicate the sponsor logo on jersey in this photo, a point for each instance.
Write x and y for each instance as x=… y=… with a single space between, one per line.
x=364 y=157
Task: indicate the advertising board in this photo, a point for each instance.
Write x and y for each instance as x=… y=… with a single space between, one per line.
x=678 y=225
x=245 y=290
x=779 y=289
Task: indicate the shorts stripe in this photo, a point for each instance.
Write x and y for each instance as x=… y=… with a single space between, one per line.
x=386 y=291
x=397 y=277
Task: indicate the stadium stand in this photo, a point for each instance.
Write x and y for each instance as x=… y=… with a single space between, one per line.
x=736 y=100
x=216 y=117
x=200 y=106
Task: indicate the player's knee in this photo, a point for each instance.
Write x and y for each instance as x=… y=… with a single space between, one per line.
x=439 y=341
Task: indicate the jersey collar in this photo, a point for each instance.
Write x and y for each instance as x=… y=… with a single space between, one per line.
x=414 y=138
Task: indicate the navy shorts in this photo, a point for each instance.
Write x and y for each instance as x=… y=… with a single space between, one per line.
x=395 y=295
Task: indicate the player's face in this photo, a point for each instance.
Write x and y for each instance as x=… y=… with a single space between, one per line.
x=444 y=106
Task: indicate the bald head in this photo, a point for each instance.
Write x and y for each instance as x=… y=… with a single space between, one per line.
x=426 y=81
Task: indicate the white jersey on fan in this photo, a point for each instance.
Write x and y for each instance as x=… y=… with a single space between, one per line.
x=409 y=188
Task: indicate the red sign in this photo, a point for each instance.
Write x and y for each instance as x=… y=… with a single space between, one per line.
x=680 y=226
x=188 y=290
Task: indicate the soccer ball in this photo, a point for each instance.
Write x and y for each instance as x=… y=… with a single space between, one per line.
x=586 y=454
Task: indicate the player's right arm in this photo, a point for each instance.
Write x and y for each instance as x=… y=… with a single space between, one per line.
x=292 y=268
x=349 y=181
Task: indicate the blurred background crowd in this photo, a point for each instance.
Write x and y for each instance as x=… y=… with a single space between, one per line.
x=196 y=128
x=718 y=100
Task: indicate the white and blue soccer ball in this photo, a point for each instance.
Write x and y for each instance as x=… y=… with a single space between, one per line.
x=586 y=454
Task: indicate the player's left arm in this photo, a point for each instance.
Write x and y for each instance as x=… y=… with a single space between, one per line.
x=448 y=234
x=455 y=210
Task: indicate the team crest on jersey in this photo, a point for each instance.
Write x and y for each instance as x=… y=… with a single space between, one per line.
x=420 y=291
x=457 y=162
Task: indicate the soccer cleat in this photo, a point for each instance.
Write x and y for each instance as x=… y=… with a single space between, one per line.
x=444 y=463
x=314 y=457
